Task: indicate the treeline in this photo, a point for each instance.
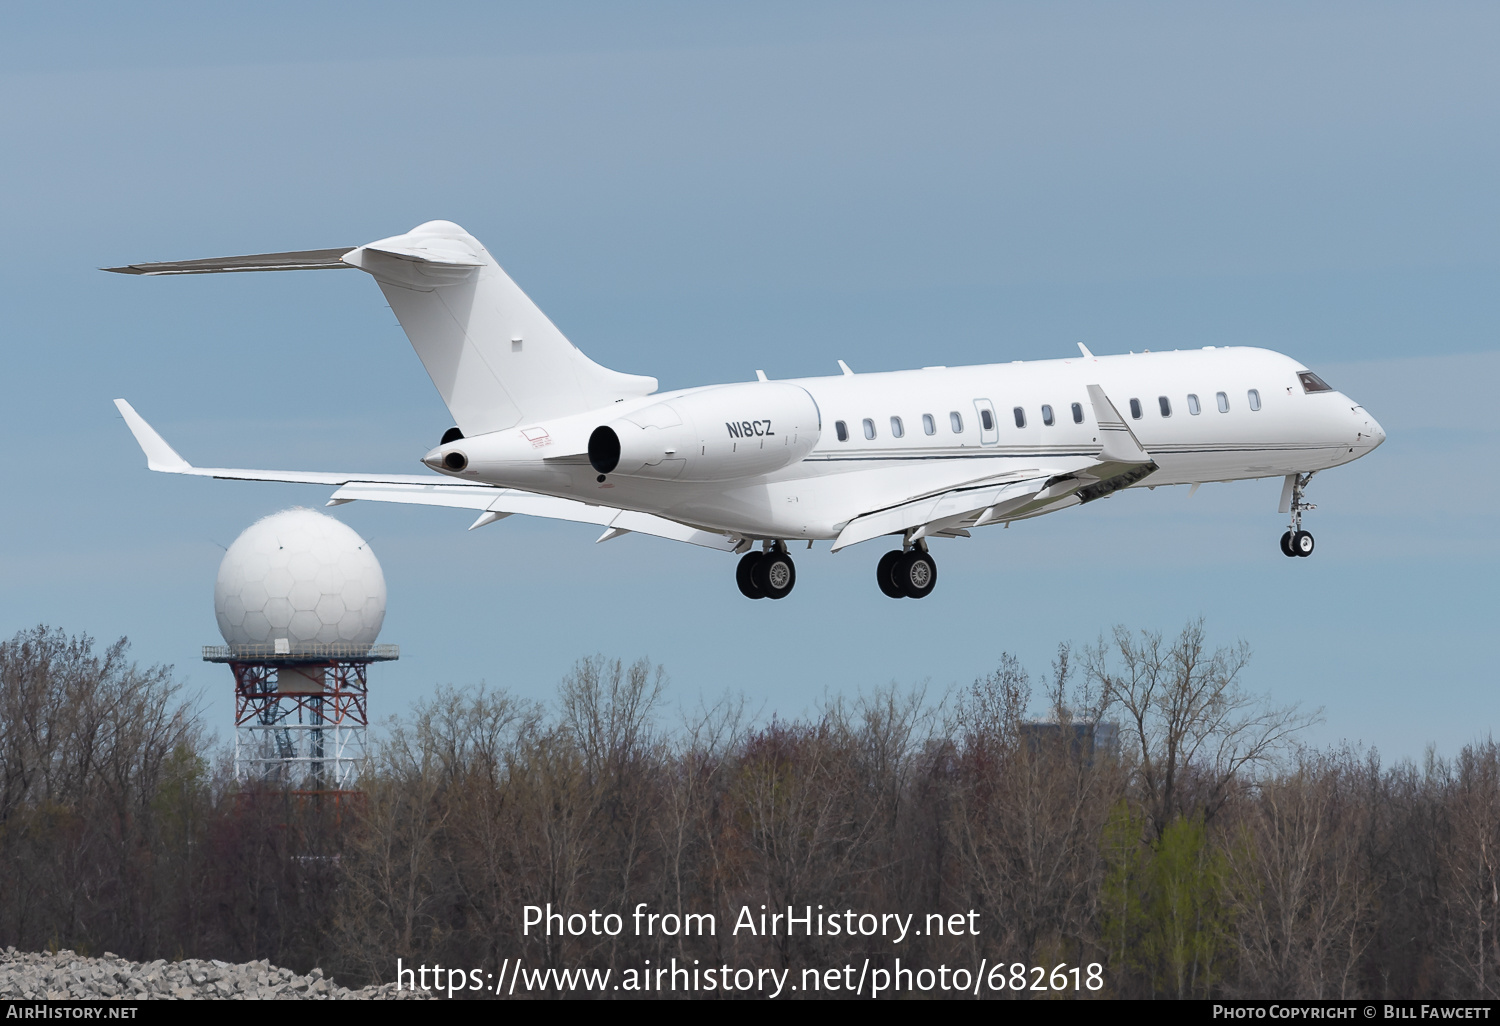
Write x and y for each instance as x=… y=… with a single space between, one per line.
x=1196 y=850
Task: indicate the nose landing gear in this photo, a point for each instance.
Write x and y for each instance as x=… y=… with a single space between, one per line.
x=1296 y=541
x=770 y=574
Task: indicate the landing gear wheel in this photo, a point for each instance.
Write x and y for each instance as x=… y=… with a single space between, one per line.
x=1302 y=543
x=1286 y=544
x=885 y=574
x=774 y=574
x=744 y=576
x=916 y=573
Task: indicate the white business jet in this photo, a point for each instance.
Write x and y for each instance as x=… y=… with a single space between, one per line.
x=542 y=430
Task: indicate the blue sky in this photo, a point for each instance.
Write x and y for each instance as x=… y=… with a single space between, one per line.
x=696 y=191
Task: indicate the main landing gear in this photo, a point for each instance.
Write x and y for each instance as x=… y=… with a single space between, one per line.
x=769 y=574
x=1296 y=541
x=907 y=573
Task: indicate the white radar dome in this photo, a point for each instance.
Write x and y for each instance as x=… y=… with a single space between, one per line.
x=301 y=577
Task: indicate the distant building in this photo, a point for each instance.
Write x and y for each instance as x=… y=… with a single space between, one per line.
x=1088 y=737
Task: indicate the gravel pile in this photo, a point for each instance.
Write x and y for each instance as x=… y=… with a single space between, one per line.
x=68 y=977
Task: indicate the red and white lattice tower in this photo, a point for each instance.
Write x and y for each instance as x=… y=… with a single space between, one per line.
x=300 y=600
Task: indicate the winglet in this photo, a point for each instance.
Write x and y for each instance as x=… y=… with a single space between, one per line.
x=1118 y=443
x=159 y=455
x=1085 y=350
x=486 y=518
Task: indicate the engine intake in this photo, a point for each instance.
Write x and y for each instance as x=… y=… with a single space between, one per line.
x=604 y=449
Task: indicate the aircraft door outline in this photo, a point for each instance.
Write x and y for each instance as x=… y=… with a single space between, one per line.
x=989 y=426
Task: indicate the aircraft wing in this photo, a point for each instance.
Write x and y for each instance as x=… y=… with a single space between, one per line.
x=162 y=458
x=498 y=503
x=495 y=503
x=1122 y=461
x=941 y=514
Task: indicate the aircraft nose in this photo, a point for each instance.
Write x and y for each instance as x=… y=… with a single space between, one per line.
x=1371 y=434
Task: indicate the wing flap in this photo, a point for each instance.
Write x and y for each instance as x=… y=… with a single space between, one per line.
x=942 y=512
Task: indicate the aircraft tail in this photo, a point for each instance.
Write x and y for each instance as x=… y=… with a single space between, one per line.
x=494 y=356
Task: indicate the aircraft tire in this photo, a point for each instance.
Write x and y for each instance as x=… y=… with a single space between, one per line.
x=774 y=575
x=744 y=576
x=916 y=572
x=885 y=574
x=1286 y=544
x=1302 y=543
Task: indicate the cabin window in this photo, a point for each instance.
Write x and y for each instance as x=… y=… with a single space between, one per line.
x=956 y=422
x=929 y=426
x=986 y=420
x=1193 y=406
x=1078 y=413
x=1312 y=383
x=1165 y=404
x=1135 y=409
x=869 y=428
x=898 y=430
x=1047 y=415
x=1020 y=417
x=842 y=430
x=1223 y=403
x=1254 y=396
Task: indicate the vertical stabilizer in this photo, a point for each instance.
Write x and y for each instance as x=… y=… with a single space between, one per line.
x=494 y=356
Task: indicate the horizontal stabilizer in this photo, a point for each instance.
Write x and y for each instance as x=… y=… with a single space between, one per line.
x=302 y=260
x=495 y=358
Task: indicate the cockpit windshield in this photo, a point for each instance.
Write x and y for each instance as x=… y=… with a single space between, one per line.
x=1312 y=383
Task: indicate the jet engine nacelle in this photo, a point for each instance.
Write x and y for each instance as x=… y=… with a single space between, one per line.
x=712 y=434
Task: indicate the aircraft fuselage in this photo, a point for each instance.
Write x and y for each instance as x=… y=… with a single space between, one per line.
x=1254 y=418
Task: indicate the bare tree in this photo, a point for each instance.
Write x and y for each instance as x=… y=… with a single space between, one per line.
x=1304 y=900
x=1471 y=866
x=1190 y=727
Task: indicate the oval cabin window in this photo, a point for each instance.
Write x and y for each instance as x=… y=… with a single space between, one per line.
x=929 y=426
x=1254 y=396
x=1193 y=406
x=842 y=430
x=869 y=428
